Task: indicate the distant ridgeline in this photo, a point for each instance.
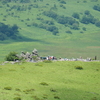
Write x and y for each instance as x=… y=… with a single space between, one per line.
x=8 y=32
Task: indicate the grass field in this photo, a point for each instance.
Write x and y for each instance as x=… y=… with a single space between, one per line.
x=50 y=81
x=86 y=44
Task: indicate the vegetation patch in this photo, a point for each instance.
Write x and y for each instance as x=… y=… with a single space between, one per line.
x=27 y=91
x=47 y=61
x=17 y=98
x=53 y=90
x=79 y=67
x=35 y=98
x=17 y=89
x=44 y=83
x=8 y=88
x=56 y=97
x=39 y=64
x=7 y=31
x=12 y=56
x=12 y=69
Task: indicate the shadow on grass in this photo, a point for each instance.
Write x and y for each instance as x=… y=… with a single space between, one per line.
x=75 y=94
x=23 y=39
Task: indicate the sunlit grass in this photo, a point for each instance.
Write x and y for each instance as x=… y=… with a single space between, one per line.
x=51 y=80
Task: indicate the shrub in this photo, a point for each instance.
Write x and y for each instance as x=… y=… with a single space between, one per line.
x=44 y=83
x=75 y=26
x=84 y=28
x=53 y=90
x=8 y=88
x=50 y=14
x=55 y=32
x=35 y=24
x=81 y=32
x=63 y=2
x=87 y=12
x=79 y=67
x=28 y=91
x=96 y=7
x=35 y=58
x=38 y=64
x=62 y=6
x=12 y=56
x=17 y=98
x=17 y=89
x=48 y=22
x=47 y=61
x=76 y=15
x=97 y=23
x=84 y=1
x=69 y=32
x=52 y=28
x=56 y=97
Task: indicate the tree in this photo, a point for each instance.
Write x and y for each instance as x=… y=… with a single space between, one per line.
x=96 y=7
x=76 y=15
x=12 y=56
x=2 y=36
x=75 y=26
x=86 y=19
x=87 y=12
x=8 y=31
x=97 y=23
x=62 y=19
x=14 y=27
x=50 y=14
x=63 y=2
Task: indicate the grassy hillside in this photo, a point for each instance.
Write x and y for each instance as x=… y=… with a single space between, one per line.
x=40 y=29
x=52 y=81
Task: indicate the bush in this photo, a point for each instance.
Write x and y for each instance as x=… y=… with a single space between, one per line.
x=69 y=32
x=39 y=64
x=87 y=12
x=50 y=14
x=7 y=31
x=75 y=26
x=97 y=23
x=44 y=83
x=56 y=97
x=52 y=28
x=55 y=32
x=63 y=2
x=12 y=56
x=86 y=19
x=17 y=89
x=48 y=22
x=96 y=7
x=47 y=61
x=8 y=88
x=84 y=29
x=35 y=24
x=81 y=32
x=76 y=15
x=35 y=58
x=17 y=98
x=28 y=90
x=79 y=67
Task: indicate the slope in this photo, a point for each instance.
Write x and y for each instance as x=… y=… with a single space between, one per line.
x=52 y=27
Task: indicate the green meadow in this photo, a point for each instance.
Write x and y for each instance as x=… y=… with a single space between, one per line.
x=58 y=80
x=39 y=28
x=79 y=42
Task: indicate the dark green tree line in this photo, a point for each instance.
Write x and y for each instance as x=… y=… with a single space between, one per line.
x=7 y=31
